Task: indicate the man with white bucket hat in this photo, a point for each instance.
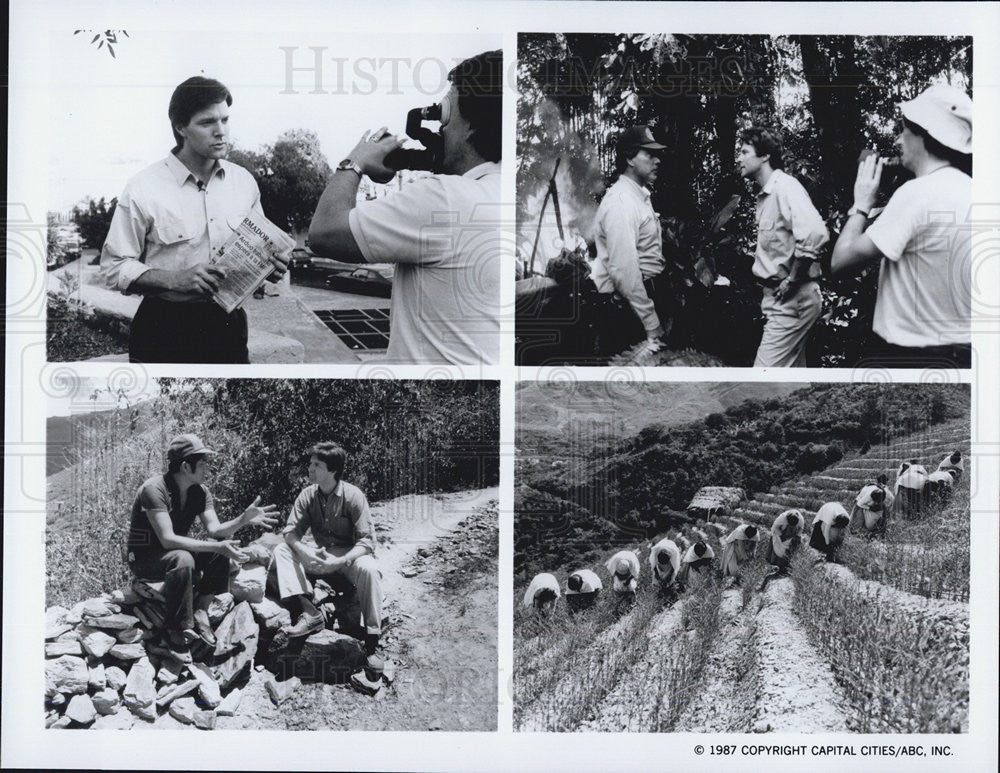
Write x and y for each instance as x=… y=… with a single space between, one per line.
x=922 y=238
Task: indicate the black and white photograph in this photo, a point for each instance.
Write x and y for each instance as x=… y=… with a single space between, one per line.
x=281 y=198
x=744 y=200
x=742 y=558
x=257 y=554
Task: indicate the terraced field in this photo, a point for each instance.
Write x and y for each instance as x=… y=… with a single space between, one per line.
x=876 y=643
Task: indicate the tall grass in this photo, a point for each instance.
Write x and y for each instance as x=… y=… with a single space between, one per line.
x=928 y=557
x=901 y=672
x=563 y=690
x=86 y=555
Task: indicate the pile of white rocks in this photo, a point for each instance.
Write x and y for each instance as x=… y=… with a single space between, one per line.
x=107 y=666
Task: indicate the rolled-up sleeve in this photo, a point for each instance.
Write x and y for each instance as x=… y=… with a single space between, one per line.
x=298 y=519
x=364 y=531
x=400 y=227
x=808 y=227
x=621 y=229
x=121 y=256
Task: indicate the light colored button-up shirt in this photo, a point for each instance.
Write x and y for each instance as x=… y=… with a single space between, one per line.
x=339 y=519
x=163 y=220
x=629 y=247
x=443 y=234
x=788 y=227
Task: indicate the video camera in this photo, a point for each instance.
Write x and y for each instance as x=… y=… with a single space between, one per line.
x=894 y=174
x=432 y=156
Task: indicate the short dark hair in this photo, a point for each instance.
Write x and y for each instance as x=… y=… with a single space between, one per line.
x=332 y=455
x=174 y=466
x=479 y=83
x=961 y=161
x=765 y=142
x=193 y=95
x=623 y=155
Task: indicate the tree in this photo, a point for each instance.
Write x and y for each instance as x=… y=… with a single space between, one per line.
x=54 y=249
x=93 y=218
x=291 y=174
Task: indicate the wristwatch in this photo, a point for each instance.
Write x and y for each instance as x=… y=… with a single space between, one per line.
x=347 y=165
x=856 y=210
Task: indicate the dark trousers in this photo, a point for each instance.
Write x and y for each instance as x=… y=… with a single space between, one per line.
x=619 y=327
x=199 y=331
x=881 y=352
x=177 y=568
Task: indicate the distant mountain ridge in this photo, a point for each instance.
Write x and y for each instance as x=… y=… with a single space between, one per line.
x=628 y=407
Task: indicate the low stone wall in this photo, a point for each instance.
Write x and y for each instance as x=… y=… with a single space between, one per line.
x=107 y=664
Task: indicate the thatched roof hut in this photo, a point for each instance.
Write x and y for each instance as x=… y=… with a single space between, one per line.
x=712 y=501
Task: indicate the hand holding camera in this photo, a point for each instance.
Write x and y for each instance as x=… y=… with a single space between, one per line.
x=370 y=152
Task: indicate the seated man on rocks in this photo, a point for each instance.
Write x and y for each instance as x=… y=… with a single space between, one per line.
x=159 y=549
x=337 y=514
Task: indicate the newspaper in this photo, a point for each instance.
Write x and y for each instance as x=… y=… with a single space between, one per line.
x=246 y=258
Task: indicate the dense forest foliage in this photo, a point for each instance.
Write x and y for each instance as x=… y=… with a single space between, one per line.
x=574 y=506
x=827 y=96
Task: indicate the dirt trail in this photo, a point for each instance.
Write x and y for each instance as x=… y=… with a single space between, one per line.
x=725 y=702
x=438 y=557
x=632 y=705
x=797 y=692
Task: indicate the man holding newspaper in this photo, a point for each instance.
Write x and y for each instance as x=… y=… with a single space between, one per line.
x=190 y=236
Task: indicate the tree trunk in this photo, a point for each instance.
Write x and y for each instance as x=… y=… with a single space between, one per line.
x=830 y=67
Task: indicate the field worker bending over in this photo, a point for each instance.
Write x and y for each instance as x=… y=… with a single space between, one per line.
x=909 y=488
x=873 y=503
x=785 y=534
x=624 y=567
x=699 y=556
x=542 y=593
x=953 y=463
x=829 y=528
x=738 y=548
x=582 y=589
x=939 y=482
x=665 y=563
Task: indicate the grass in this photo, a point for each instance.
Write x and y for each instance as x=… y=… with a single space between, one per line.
x=560 y=674
x=565 y=665
x=72 y=333
x=928 y=557
x=86 y=556
x=900 y=672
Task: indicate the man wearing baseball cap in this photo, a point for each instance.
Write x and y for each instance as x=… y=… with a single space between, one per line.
x=629 y=245
x=923 y=311
x=160 y=550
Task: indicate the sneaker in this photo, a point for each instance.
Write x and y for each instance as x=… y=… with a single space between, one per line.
x=374 y=667
x=306 y=625
x=203 y=629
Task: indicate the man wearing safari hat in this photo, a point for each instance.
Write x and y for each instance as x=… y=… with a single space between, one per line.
x=923 y=311
x=790 y=236
x=160 y=550
x=629 y=260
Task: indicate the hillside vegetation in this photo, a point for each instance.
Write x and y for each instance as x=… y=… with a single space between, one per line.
x=578 y=494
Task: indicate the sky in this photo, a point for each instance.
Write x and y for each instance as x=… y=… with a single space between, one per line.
x=72 y=395
x=108 y=116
